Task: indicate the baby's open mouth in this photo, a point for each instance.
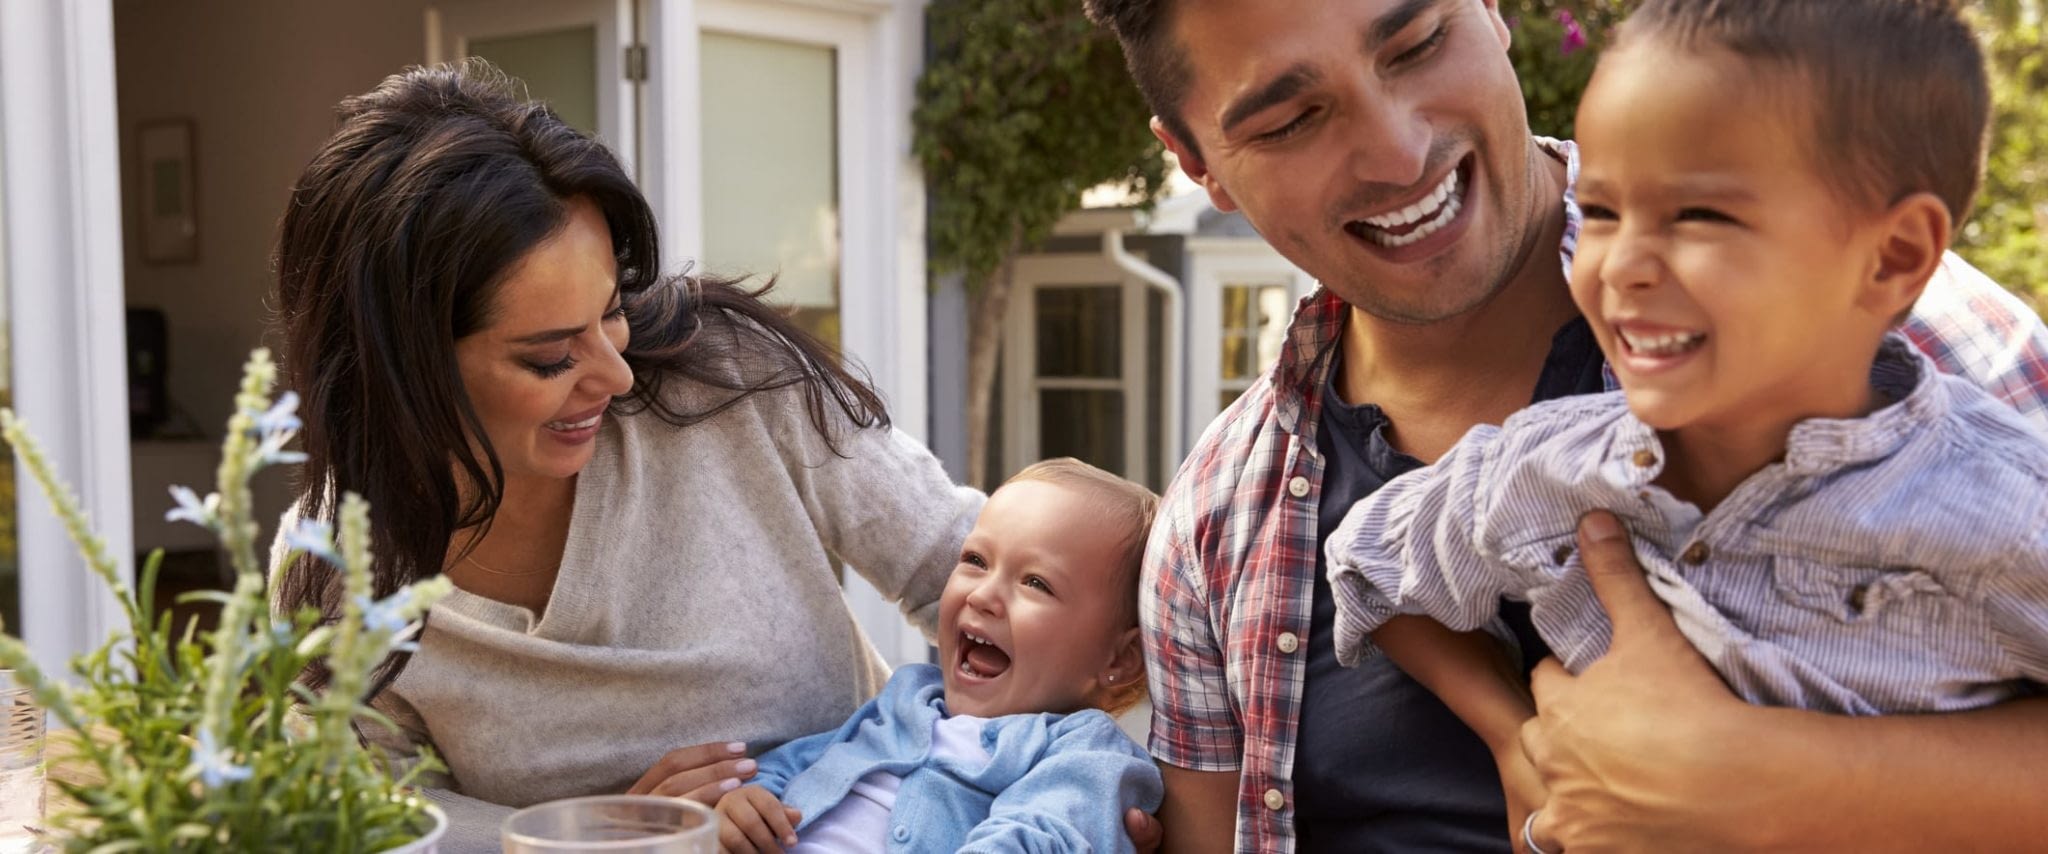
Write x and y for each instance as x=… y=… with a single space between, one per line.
x=980 y=658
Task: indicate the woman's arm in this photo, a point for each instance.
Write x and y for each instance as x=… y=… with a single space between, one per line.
x=1646 y=746
x=886 y=507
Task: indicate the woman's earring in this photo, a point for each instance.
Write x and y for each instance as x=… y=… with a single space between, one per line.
x=1112 y=678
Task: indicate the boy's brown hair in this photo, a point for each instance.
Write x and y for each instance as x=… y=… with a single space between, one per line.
x=1129 y=506
x=1899 y=95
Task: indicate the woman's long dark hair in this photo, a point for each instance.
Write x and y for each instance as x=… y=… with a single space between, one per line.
x=393 y=247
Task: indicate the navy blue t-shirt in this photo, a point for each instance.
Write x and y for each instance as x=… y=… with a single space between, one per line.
x=1379 y=763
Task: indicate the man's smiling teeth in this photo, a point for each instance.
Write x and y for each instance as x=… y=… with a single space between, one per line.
x=1417 y=211
x=579 y=425
x=1663 y=344
x=1434 y=211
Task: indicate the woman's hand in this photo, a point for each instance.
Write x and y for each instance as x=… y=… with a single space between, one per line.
x=752 y=820
x=700 y=772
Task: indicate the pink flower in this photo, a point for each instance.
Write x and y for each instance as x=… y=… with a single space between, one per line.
x=1574 y=38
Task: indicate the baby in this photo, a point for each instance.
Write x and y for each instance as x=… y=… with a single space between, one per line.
x=1007 y=744
x=1767 y=187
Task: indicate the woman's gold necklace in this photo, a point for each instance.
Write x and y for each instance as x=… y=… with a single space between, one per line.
x=472 y=561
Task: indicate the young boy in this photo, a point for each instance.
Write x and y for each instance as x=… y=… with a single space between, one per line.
x=1008 y=744
x=1766 y=188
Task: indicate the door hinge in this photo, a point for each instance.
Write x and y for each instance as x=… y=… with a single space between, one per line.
x=636 y=63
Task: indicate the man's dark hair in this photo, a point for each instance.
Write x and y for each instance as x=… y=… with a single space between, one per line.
x=1900 y=100
x=1144 y=28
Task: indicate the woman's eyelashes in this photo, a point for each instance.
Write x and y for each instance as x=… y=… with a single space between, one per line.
x=551 y=370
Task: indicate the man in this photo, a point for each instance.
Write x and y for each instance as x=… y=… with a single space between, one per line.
x=1382 y=146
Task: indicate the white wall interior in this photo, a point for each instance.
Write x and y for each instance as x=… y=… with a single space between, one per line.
x=259 y=81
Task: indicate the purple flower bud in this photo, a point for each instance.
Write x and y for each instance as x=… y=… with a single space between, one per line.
x=1574 y=37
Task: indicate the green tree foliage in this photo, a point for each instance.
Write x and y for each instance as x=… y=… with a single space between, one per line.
x=1023 y=105
x=2007 y=236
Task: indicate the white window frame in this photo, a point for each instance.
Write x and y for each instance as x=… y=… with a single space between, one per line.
x=1021 y=384
x=1214 y=262
x=878 y=45
x=450 y=27
x=59 y=145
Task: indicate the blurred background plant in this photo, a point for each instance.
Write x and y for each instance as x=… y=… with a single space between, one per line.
x=1554 y=44
x=1557 y=41
x=2007 y=237
x=207 y=741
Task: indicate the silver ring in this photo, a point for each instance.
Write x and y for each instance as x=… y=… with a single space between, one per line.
x=1529 y=833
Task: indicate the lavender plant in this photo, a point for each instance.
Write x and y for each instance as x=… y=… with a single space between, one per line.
x=208 y=741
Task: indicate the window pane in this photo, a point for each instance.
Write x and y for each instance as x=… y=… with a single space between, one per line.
x=559 y=68
x=1236 y=306
x=1254 y=325
x=771 y=171
x=1080 y=332
x=1084 y=424
x=1274 y=312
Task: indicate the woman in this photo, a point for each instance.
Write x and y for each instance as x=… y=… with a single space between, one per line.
x=638 y=485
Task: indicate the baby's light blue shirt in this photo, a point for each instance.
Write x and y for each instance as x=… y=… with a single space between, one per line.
x=1051 y=782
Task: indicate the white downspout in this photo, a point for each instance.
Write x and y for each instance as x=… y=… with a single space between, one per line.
x=1171 y=366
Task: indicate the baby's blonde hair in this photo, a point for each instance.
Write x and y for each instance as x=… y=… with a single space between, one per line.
x=1131 y=507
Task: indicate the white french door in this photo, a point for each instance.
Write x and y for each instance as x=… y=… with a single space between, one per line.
x=60 y=246
x=582 y=57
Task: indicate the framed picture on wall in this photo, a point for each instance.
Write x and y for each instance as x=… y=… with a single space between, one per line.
x=170 y=210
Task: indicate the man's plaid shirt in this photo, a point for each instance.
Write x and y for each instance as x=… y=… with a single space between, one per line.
x=1227 y=580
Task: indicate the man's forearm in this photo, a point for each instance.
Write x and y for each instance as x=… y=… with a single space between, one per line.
x=1973 y=780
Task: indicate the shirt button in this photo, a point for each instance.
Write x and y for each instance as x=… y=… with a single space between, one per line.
x=1287 y=642
x=1695 y=554
x=1298 y=487
x=901 y=833
x=1645 y=458
x=1275 y=800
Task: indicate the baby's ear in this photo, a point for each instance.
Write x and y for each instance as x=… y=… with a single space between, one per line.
x=1128 y=664
x=1912 y=236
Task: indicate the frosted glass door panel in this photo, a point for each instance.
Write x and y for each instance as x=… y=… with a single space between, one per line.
x=771 y=177
x=558 y=68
